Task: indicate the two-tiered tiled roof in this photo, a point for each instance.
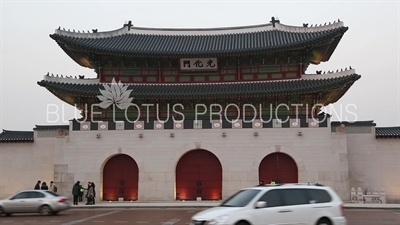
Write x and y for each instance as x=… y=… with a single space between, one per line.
x=246 y=40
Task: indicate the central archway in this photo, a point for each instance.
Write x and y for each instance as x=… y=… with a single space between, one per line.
x=198 y=174
x=279 y=167
x=120 y=178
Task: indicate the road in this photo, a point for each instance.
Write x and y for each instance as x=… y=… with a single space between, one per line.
x=169 y=216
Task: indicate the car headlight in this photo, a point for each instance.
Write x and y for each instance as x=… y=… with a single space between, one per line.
x=218 y=221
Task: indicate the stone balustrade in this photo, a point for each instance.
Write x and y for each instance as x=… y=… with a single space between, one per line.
x=367 y=196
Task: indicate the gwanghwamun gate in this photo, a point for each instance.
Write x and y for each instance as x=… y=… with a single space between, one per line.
x=169 y=116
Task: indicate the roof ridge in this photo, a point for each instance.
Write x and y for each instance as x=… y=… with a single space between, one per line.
x=330 y=74
x=17 y=130
x=96 y=81
x=130 y=29
x=358 y=121
x=337 y=71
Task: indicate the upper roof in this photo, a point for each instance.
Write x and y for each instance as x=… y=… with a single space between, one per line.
x=134 y=41
x=16 y=136
x=62 y=87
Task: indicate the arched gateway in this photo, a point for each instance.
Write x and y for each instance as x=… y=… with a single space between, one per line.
x=120 y=178
x=279 y=167
x=199 y=174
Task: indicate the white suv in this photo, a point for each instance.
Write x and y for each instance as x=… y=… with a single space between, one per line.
x=305 y=204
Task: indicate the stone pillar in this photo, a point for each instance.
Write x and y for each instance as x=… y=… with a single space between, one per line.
x=360 y=197
x=382 y=196
x=353 y=195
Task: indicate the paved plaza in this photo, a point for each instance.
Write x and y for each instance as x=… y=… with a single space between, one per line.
x=171 y=216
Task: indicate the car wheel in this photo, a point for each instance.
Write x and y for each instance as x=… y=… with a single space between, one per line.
x=45 y=210
x=324 y=222
x=55 y=213
x=243 y=223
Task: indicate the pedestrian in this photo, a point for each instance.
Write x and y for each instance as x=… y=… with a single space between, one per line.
x=89 y=194
x=81 y=191
x=53 y=187
x=261 y=183
x=75 y=192
x=44 y=186
x=94 y=193
x=37 y=186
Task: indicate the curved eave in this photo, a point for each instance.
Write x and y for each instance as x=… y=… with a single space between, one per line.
x=78 y=57
x=334 y=94
x=210 y=91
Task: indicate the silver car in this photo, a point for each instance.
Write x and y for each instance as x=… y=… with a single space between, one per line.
x=34 y=201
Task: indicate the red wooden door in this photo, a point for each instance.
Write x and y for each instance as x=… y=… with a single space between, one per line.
x=278 y=167
x=120 y=178
x=199 y=174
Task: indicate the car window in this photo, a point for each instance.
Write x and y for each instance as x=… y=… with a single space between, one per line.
x=52 y=193
x=36 y=194
x=294 y=196
x=273 y=198
x=319 y=196
x=21 y=195
x=241 y=198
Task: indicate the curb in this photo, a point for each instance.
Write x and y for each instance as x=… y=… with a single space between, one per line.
x=206 y=206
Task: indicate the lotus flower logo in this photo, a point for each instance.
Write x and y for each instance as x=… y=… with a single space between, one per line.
x=115 y=93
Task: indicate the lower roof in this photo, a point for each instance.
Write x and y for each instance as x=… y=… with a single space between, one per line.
x=317 y=83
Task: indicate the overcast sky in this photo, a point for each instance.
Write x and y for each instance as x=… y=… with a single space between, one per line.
x=370 y=46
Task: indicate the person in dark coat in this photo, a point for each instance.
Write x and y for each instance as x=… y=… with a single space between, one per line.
x=37 y=186
x=76 y=189
x=94 y=193
x=44 y=186
x=81 y=191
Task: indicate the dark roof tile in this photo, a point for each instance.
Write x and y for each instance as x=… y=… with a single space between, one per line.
x=369 y=123
x=51 y=127
x=134 y=44
x=207 y=90
x=383 y=132
x=16 y=136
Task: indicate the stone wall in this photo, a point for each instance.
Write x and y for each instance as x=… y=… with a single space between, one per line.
x=320 y=155
x=374 y=163
x=23 y=164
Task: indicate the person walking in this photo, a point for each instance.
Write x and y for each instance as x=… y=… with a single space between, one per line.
x=90 y=194
x=37 y=186
x=53 y=187
x=75 y=192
